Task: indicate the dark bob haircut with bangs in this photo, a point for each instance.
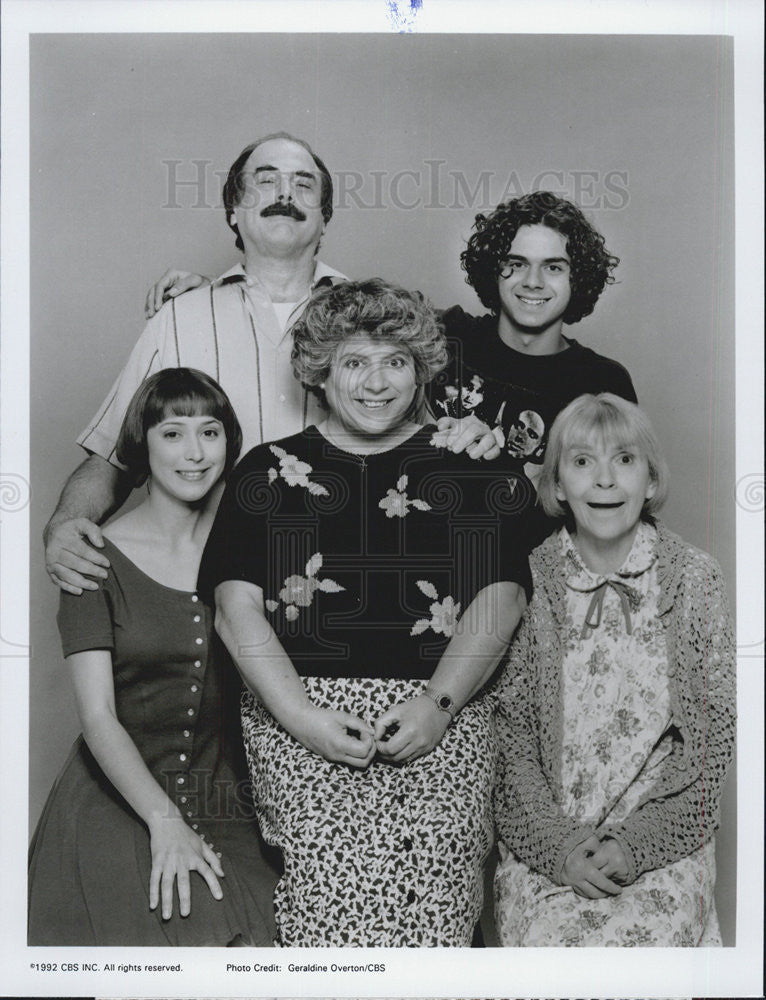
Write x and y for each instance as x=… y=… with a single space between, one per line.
x=486 y=254
x=377 y=309
x=181 y=392
x=234 y=187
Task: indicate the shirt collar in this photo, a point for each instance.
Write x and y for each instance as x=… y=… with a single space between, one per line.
x=323 y=275
x=642 y=556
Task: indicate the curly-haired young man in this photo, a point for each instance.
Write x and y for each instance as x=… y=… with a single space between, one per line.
x=536 y=263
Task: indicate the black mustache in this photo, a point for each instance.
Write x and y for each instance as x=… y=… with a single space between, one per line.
x=284 y=208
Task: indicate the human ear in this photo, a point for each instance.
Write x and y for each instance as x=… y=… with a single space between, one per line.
x=559 y=492
x=651 y=488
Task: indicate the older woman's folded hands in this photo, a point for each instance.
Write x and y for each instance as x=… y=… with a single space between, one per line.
x=584 y=876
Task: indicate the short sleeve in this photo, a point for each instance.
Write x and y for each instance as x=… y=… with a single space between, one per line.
x=85 y=621
x=100 y=436
x=620 y=383
x=237 y=547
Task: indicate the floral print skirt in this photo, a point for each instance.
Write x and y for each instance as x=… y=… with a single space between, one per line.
x=670 y=907
x=381 y=857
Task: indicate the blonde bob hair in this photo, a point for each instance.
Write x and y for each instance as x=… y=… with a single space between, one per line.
x=609 y=419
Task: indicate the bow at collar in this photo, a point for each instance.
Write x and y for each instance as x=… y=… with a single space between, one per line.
x=596 y=606
x=642 y=556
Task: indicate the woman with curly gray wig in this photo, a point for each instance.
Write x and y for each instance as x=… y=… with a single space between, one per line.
x=373 y=307
x=367 y=584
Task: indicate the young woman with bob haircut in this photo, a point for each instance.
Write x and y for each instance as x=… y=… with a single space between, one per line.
x=147 y=837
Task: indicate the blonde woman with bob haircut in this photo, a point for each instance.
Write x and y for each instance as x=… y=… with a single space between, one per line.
x=617 y=708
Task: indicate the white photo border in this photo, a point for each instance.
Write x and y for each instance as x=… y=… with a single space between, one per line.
x=732 y=971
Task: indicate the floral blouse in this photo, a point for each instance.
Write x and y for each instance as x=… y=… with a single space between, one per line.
x=615 y=684
x=618 y=728
x=366 y=562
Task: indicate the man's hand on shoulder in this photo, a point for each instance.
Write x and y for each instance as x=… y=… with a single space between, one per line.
x=172 y=283
x=72 y=556
x=467 y=434
x=72 y=537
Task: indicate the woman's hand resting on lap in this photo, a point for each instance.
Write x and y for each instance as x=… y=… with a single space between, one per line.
x=176 y=851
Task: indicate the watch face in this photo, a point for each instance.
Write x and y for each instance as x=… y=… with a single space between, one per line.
x=444 y=702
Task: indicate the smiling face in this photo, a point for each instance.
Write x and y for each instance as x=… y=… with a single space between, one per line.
x=534 y=288
x=187 y=456
x=280 y=209
x=605 y=485
x=370 y=387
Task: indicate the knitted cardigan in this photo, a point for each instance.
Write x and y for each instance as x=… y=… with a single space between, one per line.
x=680 y=813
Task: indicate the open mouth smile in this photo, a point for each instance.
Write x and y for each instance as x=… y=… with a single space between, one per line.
x=605 y=506
x=535 y=303
x=192 y=475
x=374 y=404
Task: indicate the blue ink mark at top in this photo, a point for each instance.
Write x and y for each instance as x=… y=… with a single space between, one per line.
x=402 y=19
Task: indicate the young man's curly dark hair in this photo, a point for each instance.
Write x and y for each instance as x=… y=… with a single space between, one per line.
x=590 y=262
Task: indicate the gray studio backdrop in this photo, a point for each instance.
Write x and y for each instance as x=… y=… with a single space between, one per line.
x=130 y=134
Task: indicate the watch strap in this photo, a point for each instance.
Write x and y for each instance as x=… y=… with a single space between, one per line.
x=442 y=701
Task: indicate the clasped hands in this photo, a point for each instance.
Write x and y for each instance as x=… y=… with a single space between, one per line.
x=406 y=731
x=595 y=868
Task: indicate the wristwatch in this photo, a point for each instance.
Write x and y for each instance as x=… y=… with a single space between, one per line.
x=443 y=702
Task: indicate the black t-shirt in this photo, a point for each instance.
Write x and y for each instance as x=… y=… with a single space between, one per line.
x=520 y=394
x=365 y=562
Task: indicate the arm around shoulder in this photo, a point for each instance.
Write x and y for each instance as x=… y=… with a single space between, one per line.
x=97 y=488
x=72 y=537
x=172 y=283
